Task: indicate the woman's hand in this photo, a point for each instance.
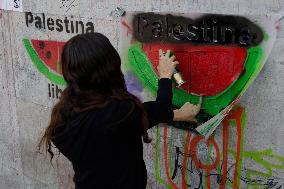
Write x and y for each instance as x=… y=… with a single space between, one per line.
x=166 y=65
x=187 y=112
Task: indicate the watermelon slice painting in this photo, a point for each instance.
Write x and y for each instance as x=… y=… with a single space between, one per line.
x=203 y=66
x=45 y=55
x=219 y=72
x=218 y=92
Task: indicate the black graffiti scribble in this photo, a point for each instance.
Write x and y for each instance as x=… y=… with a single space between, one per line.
x=270 y=183
x=198 y=174
x=16 y=4
x=69 y=4
x=267 y=183
x=191 y=169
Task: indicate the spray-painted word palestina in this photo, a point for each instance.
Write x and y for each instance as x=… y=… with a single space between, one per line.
x=40 y=21
x=210 y=29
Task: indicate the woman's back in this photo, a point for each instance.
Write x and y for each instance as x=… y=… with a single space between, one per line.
x=105 y=147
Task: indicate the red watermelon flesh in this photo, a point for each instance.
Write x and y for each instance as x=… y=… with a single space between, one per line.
x=207 y=70
x=50 y=53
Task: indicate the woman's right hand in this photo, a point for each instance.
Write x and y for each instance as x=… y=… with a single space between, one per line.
x=166 y=65
x=187 y=112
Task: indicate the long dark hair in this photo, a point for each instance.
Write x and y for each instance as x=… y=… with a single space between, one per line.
x=91 y=69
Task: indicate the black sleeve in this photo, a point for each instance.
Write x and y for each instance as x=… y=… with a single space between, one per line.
x=160 y=111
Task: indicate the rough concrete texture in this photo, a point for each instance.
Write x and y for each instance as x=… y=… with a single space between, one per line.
x=25 y=106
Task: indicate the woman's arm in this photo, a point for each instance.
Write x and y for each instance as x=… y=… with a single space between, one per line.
x=160 y=111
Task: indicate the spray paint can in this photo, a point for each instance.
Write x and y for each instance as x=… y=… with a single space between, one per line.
x=178 y=78
x=177 y=75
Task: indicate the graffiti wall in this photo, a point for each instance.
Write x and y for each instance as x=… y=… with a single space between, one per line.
x=219 y=57
x=230 y=53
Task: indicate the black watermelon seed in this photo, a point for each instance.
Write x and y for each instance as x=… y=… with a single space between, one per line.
x=48 y=55
x=41 y=44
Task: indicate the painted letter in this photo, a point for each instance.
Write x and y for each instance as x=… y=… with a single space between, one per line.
x=50 y=24
x=90 y=27
x=66 y=21
x=29 y=18
x=38 y=23
x=59 y=25
x=192 y=33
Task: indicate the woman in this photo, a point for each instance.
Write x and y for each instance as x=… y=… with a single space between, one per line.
x=97 y=124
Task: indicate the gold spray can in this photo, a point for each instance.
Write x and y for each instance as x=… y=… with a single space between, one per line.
x=177 y=75
x=178 y=78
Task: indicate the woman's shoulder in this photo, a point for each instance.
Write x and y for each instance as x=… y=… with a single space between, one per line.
x=115 y=109
x=122 y=111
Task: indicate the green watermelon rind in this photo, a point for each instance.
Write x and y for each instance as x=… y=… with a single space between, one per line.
x=40 y=65
x=211 y=104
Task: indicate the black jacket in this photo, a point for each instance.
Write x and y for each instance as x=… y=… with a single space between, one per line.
x=105 y=146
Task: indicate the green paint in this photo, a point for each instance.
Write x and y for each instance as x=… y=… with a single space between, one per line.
x=171 y=150
x=243 y=124
x=265 y=158
x=265 y=36
x=184 y=156
x=212 y=105
x=157 y=174
x=39 y=64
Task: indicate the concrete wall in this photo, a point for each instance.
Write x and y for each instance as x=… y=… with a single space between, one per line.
x=25 y=106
